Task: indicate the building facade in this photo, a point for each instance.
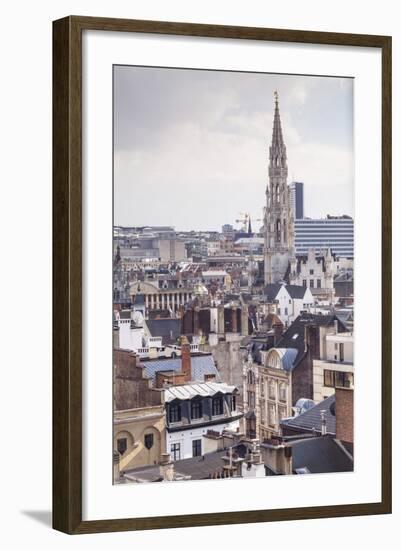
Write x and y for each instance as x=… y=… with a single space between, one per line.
x=192 y=410
x=335 y=368
x=336 y=233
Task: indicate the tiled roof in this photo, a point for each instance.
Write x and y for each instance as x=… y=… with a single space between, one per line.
x=312 y=419
x=294 y=336
x=200 y=365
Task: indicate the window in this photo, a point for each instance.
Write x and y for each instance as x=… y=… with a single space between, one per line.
x=217 y=405
x=341 y=351
x=262 y=412
x=311 y=272
x=197 y=447
x=304 y=282
x=175 y=413
x=282 y=392
x=329 y=378
x=281 y=413
x=175 y=451
x=233 y=402
x=272 y=389
x=278 y=311
x=262 y=386
x=272 y=415
x=148 y=441
x=251 y=399
x=319 y=283
x=196 y=409
x=122 y=445
x=250 y=377
x=286 y=311
x=344 y=379
x=311 y=283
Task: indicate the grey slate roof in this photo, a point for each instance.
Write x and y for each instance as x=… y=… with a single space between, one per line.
x=311 y=419
x=199 y=467
x=296 y=291
x=320 y=455
x=271 y=291
x=200 y=365
x=139 y=299
x=294 y=336
x=125 y=314
x=168 y=329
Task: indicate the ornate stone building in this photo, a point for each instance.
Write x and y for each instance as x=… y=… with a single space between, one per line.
x=278 y=220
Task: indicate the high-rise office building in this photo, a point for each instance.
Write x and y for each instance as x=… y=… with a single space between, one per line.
x=336 y=233
x=297 y=199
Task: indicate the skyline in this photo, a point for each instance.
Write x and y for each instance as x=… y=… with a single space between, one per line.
x=211 y=131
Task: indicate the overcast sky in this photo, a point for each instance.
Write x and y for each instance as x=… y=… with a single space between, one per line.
x=191 y=146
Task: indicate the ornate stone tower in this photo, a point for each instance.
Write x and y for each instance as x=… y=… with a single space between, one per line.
x=278 y=219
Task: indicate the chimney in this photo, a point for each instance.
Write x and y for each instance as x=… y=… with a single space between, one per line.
x=116 y=466
x=186 y=359
x=324 y=423
x=278 y=332
x=166 y=467
x=312 y=341
x=344 y=411
x=116 y=337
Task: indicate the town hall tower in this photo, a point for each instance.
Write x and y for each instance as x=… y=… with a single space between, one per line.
x=278 y=219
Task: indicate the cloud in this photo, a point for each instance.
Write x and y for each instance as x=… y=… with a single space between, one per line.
x=192 y=146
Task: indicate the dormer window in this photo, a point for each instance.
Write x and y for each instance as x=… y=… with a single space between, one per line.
x=217 y=405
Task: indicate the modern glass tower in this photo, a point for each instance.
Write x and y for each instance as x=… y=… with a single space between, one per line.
x=297 y=199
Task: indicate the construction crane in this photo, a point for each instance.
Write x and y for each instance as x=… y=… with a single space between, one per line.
x=246 y=222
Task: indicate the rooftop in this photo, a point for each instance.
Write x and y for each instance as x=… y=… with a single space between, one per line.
x=200 y=366
x=188 y=391
x=311 y=420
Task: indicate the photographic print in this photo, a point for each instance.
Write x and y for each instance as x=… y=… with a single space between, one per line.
x=233 y=263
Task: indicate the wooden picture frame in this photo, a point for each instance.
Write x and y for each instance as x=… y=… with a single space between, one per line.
x=67 y=273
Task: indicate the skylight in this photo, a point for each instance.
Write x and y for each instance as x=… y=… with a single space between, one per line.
x=295 y=336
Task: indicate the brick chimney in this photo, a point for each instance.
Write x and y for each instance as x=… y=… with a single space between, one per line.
x=186 y=359
x=345 y=414
x=312 y=341
x=278 y=332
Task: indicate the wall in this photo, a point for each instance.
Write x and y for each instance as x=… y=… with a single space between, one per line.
x=26 y=205
x=134 y=425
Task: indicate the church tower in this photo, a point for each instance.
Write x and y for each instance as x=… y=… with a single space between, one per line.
x=278 y=219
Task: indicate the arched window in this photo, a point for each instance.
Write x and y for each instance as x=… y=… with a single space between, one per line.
x=250 y=377
x=278 y=231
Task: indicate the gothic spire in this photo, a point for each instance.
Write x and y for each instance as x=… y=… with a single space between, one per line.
x=277 y=148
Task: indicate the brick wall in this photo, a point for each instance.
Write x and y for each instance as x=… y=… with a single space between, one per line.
x=131 y=389
x=345 y=414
